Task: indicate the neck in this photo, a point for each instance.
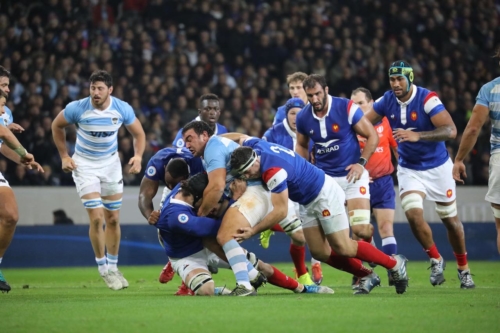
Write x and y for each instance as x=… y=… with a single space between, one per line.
x=407 y=96
x=104 y=105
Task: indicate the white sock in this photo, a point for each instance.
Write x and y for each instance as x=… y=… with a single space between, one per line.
x=112 y=262
x=101 y=265
x=314 y=261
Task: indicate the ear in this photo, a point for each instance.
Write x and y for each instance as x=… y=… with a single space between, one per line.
x=110 y=90
x=326 y=90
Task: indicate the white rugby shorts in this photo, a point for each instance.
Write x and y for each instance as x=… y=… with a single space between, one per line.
x=102 y=176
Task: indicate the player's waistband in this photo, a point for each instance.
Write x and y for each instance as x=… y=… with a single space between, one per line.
x=101 y=159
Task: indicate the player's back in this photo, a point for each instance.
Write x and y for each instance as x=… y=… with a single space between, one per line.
x=415 y=115
x=335 y=141
x=155 y=169
x=96 y=134
x=177 y=243
x=489 y=96
x=304 y=180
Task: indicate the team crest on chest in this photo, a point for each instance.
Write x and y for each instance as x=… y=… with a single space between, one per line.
x=335 y=128
x=6 y=122
x=114 y=120
x=413 y=115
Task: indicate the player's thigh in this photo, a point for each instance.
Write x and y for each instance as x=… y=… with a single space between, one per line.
x=410 y=181
x=316 y=241
x=359 y=189
x=493 y=194
x=93 y=205
x=439 y=182
x=253 y=206
x=385 y=221
x=8 y=204
x=341 y=243
x=111 y=177
x=210 y=243
x=112 y=204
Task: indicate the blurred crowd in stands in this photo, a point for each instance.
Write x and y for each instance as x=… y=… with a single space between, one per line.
x=163 y=54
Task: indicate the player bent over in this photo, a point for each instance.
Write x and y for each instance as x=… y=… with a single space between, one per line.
x=96 y=167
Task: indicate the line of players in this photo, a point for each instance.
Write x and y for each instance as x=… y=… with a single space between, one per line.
x=420 y=125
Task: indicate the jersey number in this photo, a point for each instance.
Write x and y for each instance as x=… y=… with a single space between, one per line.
x=277 y=149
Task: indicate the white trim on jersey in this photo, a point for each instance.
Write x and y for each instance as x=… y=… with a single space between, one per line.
x=291 y=133
x=431 y=103
x=322 y=120
x=351 y=112
x=404 y=105
x=278 y=178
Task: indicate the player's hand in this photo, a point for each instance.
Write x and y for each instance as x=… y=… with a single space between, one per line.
x=68 y=164
x=154 y=217
x=243 y=233
x=459 y=173
x=15 y=128
x=27 y=159
x=355 y=172
x=401 y=135
x=135 y=163
x=35 y=166
x=237 y=188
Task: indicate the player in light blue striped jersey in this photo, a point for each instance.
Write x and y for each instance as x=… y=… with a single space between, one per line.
x=96 y=166
x=487 y=106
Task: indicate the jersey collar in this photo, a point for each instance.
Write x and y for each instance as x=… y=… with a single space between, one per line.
x=216 y=125
x=329 y=103
x=180 y=202
x=288 y=129
x=413 y=94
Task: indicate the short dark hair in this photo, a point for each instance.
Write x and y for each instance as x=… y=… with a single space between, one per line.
x=240 y=156
x=209 y=97
x=199 y=127
x=311 y=80
x=101 y=76
x=4 y=72
x=367 y=93
x=178 y=167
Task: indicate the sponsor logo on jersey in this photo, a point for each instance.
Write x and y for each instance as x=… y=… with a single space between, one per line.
x=335 y=128
x=183 y=218
x=362 y=190
x=380 y=129
x=311 y=132
x=413 y=115
x=449 y=193
x=392 y=116
x=326 y=213
x=326 y=147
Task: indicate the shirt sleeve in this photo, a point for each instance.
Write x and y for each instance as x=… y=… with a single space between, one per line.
x=483 y=96
x=155 y=170
x=71 y=113
x=379 y=106
x=433 y=105
x=215 y=155
x=354 y=113
x=275 y=179
x=128 y=114
x=197 y=226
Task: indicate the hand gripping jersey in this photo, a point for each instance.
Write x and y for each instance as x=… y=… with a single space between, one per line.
x=181 y=230
x=281 y=168
x=415 y=115
x=335 y=142
x=155 y=169
x=489 y=96
x=380 y=163
x=179 y=142
x=96 y=130
x=6 y=119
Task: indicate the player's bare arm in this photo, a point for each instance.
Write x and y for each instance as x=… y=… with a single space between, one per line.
x=11 y=155
x=137 y=132
x=302 y=145
x=147 y=192
x=480 y=115
x=59 y=135
x=213 y=192
x=11 y=141
x=364 y=128
x=445 y=130
x=15 y=128
x=279 y=212
x=373 y=116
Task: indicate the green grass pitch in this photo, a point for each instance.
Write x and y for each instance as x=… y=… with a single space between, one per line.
x=76 y=300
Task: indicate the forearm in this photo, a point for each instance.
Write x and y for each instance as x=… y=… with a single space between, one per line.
x=469 y=139
x=370 y=146
x=302 y=151
x=139 y=144
x=233 y=136
x=211 y=198
x=146 y=205
x=10 y=154
x=442 y=133
x=9 y=139
x=59 y=136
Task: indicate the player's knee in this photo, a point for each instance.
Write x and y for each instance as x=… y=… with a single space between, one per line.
x=385 y=228
x=112 y=221
x=445 y=212
x=360 y=218
x=412 y=201
x=112 y=205
x=363 y=231
x=298 y=238
x=319 y=254
x=202 y=284
x=291 y=226
x=9 y=217
x=344 y=249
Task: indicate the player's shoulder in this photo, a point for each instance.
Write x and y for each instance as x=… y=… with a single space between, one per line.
x=305 y=113
x=217 y=146
x=80 y=105
x=221 y=129
x=492 y=87
x=120 y=105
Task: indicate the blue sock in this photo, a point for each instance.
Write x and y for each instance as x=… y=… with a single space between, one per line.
x=389 y=246
x=252 y=272
x=112 y=262
x=238 y=261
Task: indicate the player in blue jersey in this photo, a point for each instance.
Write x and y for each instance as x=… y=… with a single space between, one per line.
x=13 y=150
x=487 y=107
x=248 y=210
x=284 y=134
x=296 y=90
x=333 y=124
x=96 y=167
x=421 y=125
x=208 y=112
x=289 y=176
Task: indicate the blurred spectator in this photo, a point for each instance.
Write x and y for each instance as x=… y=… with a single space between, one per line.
x=164 y=54
x=60 y=218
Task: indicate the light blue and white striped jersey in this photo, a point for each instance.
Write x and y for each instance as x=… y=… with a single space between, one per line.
x=96 y=133
x=6 y=119
x=489 y=96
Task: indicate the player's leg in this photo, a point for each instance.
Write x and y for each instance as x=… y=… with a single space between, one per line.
x=358 y=205
x=496 y=213
x=8 y=220
x=493 y=194
x=194 y=273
